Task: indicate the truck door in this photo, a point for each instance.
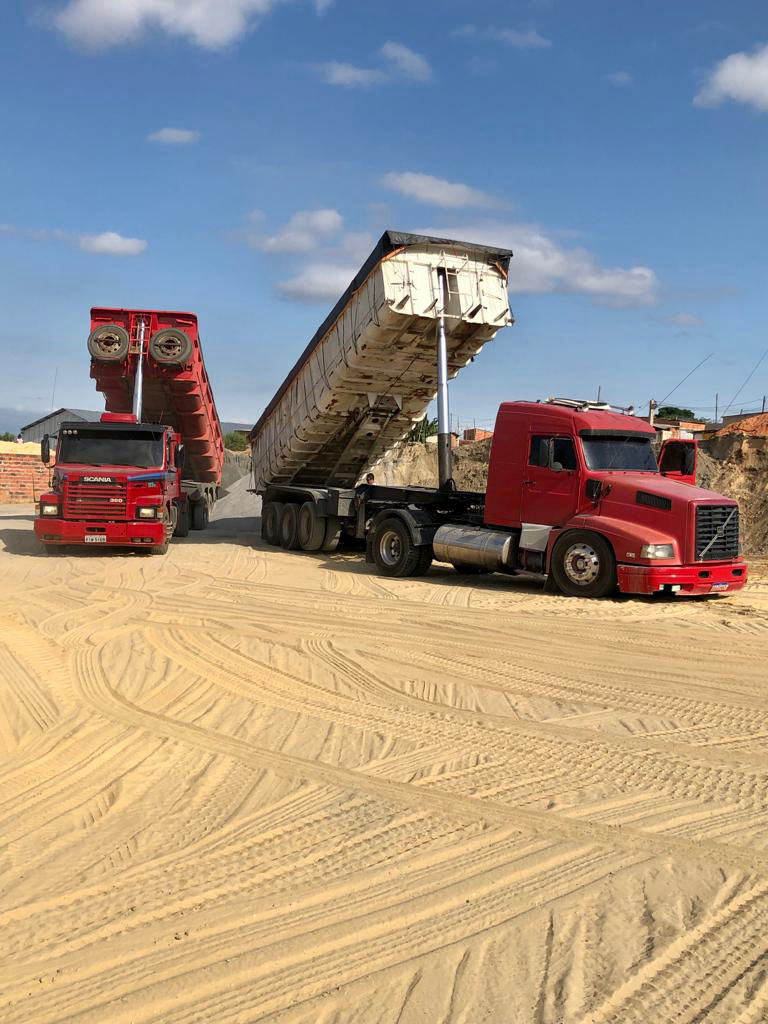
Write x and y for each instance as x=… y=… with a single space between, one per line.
x=678 y=460
x=550 y=480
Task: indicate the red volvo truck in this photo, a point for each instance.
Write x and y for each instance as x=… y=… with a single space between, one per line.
x=151 y=466
x=575 y=492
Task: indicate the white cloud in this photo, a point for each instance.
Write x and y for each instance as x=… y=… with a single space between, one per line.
x=334 y=72
x=111 y=242
x=685 y=320
x=407 y=62
x=174 y=136
x=304 y=231
x=620 y=78
x=742 y=77
x=528 y=40
x=436 y=191
x=100 y=24
x=317 y=283
x=543 y=264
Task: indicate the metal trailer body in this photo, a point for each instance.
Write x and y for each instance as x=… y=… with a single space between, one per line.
x=369 y=373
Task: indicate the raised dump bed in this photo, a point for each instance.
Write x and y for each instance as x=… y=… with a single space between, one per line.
x=369 y=373
x=176 y=391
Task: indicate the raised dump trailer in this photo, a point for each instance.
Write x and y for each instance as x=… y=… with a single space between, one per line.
x=369 y=373
x=574 y=489
x=151 y=466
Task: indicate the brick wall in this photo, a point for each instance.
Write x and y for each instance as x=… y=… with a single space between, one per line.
x=23 y=478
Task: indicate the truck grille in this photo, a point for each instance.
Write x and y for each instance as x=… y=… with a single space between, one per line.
x=95 y=501
x=713 y=538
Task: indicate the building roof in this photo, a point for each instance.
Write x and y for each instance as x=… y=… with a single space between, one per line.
x=79 y=414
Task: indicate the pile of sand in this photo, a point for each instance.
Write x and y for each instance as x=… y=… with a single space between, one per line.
x=753 y=426
x=14 y=448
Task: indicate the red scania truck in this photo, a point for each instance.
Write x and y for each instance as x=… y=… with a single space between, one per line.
x=151 y=466
x=575 y=492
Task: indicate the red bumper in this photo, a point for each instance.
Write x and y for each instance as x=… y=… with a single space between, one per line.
x=690 y=579
x=135 y=534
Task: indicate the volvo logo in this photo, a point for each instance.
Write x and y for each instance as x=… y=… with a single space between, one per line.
x=97 y=480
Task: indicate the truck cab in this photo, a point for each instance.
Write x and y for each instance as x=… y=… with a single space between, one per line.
x=594 y=507
x=114 y=482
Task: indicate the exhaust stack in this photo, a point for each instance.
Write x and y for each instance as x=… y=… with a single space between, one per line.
x=444 y=458
x=138 y=384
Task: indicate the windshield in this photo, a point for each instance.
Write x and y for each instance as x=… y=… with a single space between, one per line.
x=111 y=448
x=631 y=452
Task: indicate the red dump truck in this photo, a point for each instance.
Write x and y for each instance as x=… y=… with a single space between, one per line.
x=151 y=466
x=574 y=494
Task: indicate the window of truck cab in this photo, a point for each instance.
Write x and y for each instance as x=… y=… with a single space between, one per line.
x=142 y=449
x=630 y=452
x=563 y=451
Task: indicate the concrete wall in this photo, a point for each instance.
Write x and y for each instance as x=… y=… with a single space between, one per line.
x=23 y=477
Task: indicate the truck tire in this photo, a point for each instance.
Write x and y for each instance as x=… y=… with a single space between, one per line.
x=159 y=549
x=182 y=520
x=170 y=346
x=199 y=515
x=394 y=552
x=583 y=565
x=289 y=527
x=109 y=343
x=332 y=534
x=311 y=527
x=270 y=522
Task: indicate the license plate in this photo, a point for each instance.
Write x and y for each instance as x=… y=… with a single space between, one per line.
x=719 y=586
x=95 y=538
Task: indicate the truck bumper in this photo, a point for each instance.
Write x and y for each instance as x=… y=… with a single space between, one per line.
x=133 y=534
x=682 y=579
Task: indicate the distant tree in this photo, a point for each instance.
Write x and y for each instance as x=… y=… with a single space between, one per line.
x=7 y=437
x=235 y=441
x=674 y=412
x=421 y=431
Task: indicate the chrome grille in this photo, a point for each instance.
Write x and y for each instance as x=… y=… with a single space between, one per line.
x=717 y=532
x=95 y=501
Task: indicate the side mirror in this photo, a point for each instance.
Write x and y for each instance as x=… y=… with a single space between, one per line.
x=45 y=449
x=556 y=467
x=181 y=456
x=543 y=458
x=689 y=461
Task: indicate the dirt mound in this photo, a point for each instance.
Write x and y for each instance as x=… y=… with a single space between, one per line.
x=753 y=426
x=416 y=465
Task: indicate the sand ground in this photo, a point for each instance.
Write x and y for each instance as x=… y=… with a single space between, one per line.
x=239 y=784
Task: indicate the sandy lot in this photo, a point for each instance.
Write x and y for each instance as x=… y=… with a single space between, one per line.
x=239 y=784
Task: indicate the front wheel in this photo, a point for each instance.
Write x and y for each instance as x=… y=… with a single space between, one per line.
x=583 y=565
x=199 y=515
x=182 y=520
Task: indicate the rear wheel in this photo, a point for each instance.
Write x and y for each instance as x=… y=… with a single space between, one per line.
x=332 y=534
x=289 y=527
x=394 y=552
x=199 y=515
x=311 y=527
x=583 y=565
x=270 y=521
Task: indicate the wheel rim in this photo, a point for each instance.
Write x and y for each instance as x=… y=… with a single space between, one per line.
x=169 y=347
x=391 y=548
x=581 y=564
x=108 y=343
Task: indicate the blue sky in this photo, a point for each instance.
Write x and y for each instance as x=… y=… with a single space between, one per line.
x=240 y=157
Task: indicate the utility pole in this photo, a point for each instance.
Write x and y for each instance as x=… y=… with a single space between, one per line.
x=763 y=409
x=716 y=401
x=53 y=390
x=599 y=390
x=652 y=406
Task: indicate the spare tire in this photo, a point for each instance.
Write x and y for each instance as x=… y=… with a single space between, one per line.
x=109 y=343
x=170 y=346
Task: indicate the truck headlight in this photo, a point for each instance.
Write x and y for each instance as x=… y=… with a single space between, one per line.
x=147 y=512
x=657 y=551
x=49 y=510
